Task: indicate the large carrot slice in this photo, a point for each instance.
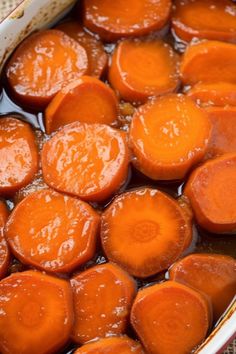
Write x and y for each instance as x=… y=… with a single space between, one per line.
x=211 y=190
x=36 y=313
x=4 y=250
x=42 y=65
x=112 y=345
x=97 y=58
x=86 y=100
x=213 y=274
x=208 y=19
x=18 y=155
x=112 y=290
x=149 y=238
x=120 y=18
x=87 y=160
x=58 y=233
x=170 y=314
x=163 y=140
x=209 y=62
x=142 y=69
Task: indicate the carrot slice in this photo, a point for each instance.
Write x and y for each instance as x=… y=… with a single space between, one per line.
x=163 y=140
x=113 y=291
x=4 y=250
x=42 y=64
x=124 y=345
x=120 y=18
x=142 y=69
x=213 y=274
x=97 y=58
x=18 y=155
x=148 y=240
x=209 y=62
x=169 y=313
x=36 y=313
x=87 y=160
x=87 y=100
x=208 y=19
x=211 y=190
x=58 y=233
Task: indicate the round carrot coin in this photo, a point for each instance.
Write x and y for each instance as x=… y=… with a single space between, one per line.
x=87 y=100
x=113 y=20
x=143 y=69
x=4 y=250
x=42 y=64
x=163 y=140
x=144 y=231
x=36 y=311
x=58 y=233
x=18 y=155
x=87 y=160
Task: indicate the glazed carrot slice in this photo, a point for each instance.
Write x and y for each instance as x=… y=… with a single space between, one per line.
x=86 y=160
x=213 y=274
x=163 y=140
x=142 y=69
x=58 y=233
x=112 y=290
x=42 y=64
x=144 y=240
x=120 y=18
x=97 y=58
x=4 y=250
x=36 y=311
x=211 y=190
x=87 y=100
x=18 y=155
x=209 y=62
x=207 y=19
x=169 y=313
x=112 y=345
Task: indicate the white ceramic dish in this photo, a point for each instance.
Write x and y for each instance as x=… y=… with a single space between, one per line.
x=34 y=14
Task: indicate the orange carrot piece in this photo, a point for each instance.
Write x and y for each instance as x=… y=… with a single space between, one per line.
x=149 y=239
x=120 y=18
x=36 y=313
x=212 y=274
x=163 y=140
x=18 y=155
x=97 y=58
x=87 y=100
x=169 y=313
x=112 y=345
x=143 y=69
x=4 y=250
x=209 y=62
x=86 y=160
x=112 y=290
x=211 y=190
x=206 y=19
x=58 y=233
x=42 y=64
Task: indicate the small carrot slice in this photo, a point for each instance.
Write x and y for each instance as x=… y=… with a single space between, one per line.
x=114 y=20
x=112 y=345
x=163 y=140
x=211 y=190
x=86 y=160
x=169 y=313
x=213 y=274
x=142 y=69
x=36 y=313
x=209 y=62
x=206 y=19
x=42 y=64
x=4 y=250
x=18 y=155
x=149 y=238
x=112 y=290
x=87 y=100
x=97 y=58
